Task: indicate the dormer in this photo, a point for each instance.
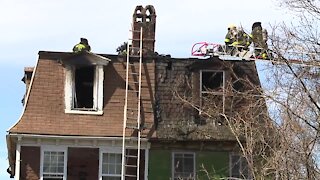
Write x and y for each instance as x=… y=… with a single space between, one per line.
x=84 y=73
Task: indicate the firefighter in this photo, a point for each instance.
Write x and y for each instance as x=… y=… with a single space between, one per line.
x=230 y=38
x=260 y=38
x=231 y=35
x=243 y=40
x=82 y=46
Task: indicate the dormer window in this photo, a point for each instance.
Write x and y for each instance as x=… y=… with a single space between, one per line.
x=84 y=89
x=212 y=83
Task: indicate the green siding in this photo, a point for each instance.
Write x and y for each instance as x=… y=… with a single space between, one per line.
x=215 y=163
x=159 y=165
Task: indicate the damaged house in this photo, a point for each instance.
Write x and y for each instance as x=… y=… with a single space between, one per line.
x=143 y=116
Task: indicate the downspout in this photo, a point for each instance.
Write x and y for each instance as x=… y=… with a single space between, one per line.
x=18 y=159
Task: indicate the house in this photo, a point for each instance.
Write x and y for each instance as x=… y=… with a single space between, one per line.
x=72 y=124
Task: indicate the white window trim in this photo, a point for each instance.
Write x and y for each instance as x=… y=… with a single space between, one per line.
x=117 y=150
x=52 y=148
x=214 y=93
x=97 y=91
x=182 y=152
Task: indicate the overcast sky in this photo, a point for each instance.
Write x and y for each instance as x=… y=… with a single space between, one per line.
x=30 y=26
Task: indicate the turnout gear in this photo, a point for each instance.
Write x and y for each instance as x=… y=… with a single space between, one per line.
x=82 y=46
x=260 y=38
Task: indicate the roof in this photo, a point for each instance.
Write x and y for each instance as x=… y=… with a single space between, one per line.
x=44 y=111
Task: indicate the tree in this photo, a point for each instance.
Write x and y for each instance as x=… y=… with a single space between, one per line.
x=283 y=143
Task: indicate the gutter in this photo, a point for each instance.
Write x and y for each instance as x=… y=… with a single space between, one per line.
x=71 y=137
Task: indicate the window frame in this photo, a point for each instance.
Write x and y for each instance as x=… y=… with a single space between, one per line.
x=53 y=149
x=214 y=93
x=173 y=165
x=97 y=91
x=247 y=176
x=115 y=150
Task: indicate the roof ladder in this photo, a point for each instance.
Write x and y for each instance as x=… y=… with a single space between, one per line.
x=131 y=137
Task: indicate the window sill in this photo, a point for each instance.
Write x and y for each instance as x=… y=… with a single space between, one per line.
x=69 y=111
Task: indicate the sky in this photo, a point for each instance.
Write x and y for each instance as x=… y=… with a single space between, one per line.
x=27 y=27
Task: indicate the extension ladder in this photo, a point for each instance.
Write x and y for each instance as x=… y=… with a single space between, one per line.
x=131 y=144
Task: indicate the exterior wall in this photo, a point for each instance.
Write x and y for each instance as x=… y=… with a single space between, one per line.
x=214 y=162
x=82 y=160
x=83 y=163
x=170 y=110
x=178 y=86
x=45 y=110
x=159 y=164
x=30 y=163
x=178 y=119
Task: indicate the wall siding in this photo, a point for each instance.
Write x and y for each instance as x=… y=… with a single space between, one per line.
x=159 y=164
x=215 y=163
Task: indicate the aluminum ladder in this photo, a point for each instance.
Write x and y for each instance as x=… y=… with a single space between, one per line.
x=131 y=144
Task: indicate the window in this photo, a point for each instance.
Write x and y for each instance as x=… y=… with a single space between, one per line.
x=111 y=166
x=212 y=91
x=84 y=89
x=183 y=166
x=53 y=165
x=239 y=167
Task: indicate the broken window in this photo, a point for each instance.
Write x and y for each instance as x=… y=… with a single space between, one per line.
x=212 y=91
x=212 y=81
x=84 y=89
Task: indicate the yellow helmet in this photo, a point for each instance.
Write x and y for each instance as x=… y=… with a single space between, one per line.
x=232 y=26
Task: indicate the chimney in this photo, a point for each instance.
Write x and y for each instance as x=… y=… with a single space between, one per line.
x=27 y=79
x=145 y=18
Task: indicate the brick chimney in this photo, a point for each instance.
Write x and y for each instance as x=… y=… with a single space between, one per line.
x=27 y=79
x=144 y=17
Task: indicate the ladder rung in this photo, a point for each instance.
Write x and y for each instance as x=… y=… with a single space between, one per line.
x=134 y=30
x=132 y=90
x=130 y=165
x=132 y=127
x=130 y=175
x=132 y=109
x=131 y=156
x=134 y=82
x=134 y=48
x=131 y=117
x=134 y=55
